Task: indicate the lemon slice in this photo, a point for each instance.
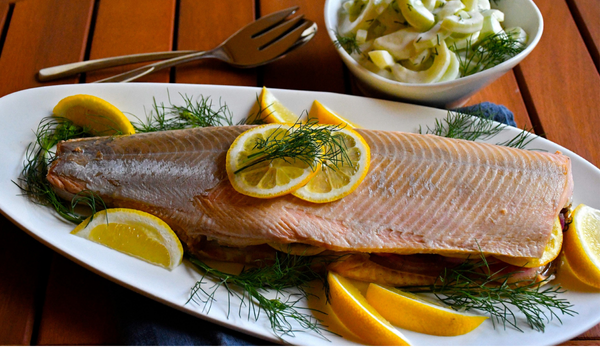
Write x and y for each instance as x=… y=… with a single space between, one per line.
x=353 y=310
x=582 y=245
x=275 y=112
x=135 y=233
x=265 y=179
x=337 y=179
x=410 y=312
x=96 y=115
x=551 y=251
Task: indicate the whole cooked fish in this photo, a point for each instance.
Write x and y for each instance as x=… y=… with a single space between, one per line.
x=423 y=193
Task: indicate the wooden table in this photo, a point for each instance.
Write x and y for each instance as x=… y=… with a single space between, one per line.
x=46 y=299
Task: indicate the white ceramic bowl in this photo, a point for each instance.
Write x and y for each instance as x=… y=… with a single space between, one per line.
x=523 y=13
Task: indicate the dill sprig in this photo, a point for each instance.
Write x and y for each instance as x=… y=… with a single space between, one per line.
x=199 y=112
x=474 y=286
x=477 y=125
x=489 y=52
x=348 y=43
x=289 y=276
x=308 y=142
x=38 y=156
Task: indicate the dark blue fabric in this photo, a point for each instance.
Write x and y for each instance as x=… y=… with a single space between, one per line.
x=497 y=112
x=147 y=322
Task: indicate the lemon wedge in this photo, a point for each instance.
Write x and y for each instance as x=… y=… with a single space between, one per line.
x=94 y=114
x=276 y=112
x=582 y=245
x=135 y=233
x=334 y=180
x=551 y=252
x=265 y=179
x=410 y=312
x=353 y=310
x=324 y=115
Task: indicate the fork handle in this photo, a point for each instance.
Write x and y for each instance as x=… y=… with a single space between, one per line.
x=151 y=68
x=60 y=71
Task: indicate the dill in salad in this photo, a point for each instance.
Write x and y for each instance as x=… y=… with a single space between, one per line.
x=427 y=41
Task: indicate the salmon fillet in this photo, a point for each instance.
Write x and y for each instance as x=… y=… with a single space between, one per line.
x=422 y=194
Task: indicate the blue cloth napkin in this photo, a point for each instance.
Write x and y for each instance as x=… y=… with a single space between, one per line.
x=146 y=322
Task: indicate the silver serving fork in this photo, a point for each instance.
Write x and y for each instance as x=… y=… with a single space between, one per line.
x=262 y=41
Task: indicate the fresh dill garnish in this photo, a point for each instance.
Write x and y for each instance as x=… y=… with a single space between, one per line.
x=39 y=155
x=348 y=43
x=199 y=112
x=489 y=52
x=474 y=286
x=288 y=276
x=476 y=125
x=308 y=142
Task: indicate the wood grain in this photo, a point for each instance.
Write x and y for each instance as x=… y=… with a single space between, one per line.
x=23 y=263
x=77 y=309
x=126 y=27
x=505 y=91
x=315 y=66
x=561 y=85
x=205 y=24
x=53 y=40
x=55 y=31
x=586 y=13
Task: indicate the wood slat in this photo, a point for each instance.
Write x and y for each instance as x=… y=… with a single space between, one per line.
x=561 y=85
x=586 y=13
x=205 y=24
x=78 y=309
x=581 y=343
x=122 y=27
x=591 y=334
x=315 y=66
x=126 y=27
x=56 y=39
x=23 y=263
x=53 y=39
x=505 y=91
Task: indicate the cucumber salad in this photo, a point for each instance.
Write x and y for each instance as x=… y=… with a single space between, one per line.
x=427 y=41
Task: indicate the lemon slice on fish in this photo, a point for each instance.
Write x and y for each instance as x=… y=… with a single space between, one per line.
x=93 y=114
x=551 y=252
x=253 y=173
x=135 y=233
x=353 y=310
x=582 y=245
x=275 y=111
x=410 y=312
x=341 y=175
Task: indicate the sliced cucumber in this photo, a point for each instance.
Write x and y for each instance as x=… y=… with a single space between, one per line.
x=453 y=71
x=416 y=14
x=450 y=8
x=463 y=22
x=434 y=37
x=399 y=43
x=382 y=58
x=433 y=74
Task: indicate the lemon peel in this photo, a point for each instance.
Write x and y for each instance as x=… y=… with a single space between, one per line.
x=265 y=179
x=410 y=312
x=582 y=245
x=353 y=310
x=96 y=115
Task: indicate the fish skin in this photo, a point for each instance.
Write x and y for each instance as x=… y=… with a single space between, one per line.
x=422 y=193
